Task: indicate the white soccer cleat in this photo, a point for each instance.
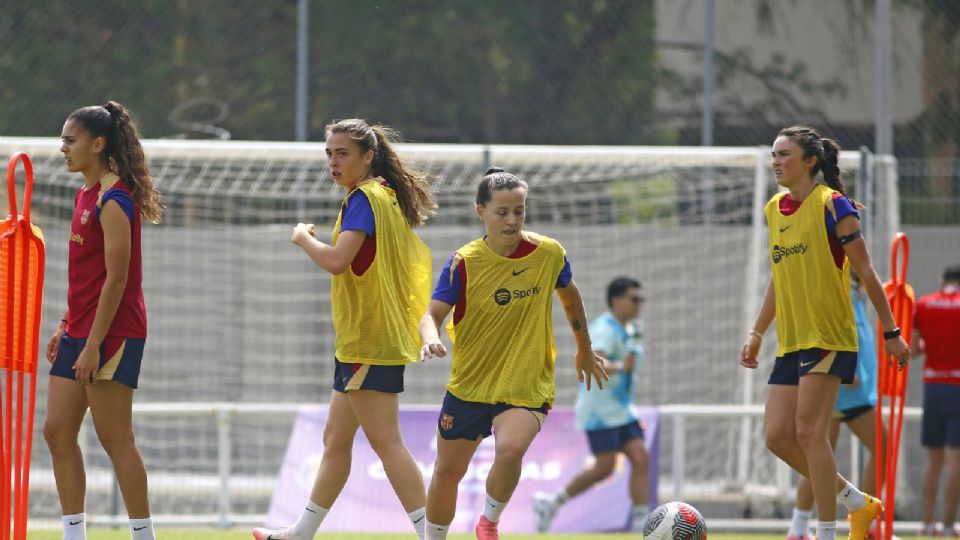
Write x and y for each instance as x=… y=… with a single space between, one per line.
x=544 y=508
x=261 y=533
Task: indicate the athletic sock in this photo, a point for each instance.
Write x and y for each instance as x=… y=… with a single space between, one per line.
x=493 y=508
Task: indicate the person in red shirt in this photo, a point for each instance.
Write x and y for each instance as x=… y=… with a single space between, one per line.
x=937 y=324
x=97 y=348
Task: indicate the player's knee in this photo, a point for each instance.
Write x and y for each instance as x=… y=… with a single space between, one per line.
x=116 y=443
x=810 y=435
x=777 y=439
x=57 y=437
x=447 y=475
x=602 y=470
x=337 y=443
x=510 y=450
x=639 y=460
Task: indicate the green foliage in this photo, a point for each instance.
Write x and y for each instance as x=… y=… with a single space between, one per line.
x=542 y=71
x=652 y=200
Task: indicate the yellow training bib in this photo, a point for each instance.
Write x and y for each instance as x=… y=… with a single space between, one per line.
x=812 y=294
x=375 y=315
x=503 y=345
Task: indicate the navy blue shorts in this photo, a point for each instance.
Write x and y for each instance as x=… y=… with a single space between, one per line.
x=853 y=413
x=940 y=425
x=470 y=420
x=613 y=439
x=120 y=358
x=347 y=377
x=790 y=367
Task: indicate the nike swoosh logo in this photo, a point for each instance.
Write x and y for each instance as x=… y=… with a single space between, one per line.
x=518 y=272
x=785 y=228
x=805 y=364
x=76 y=522
x=309 y=510
x=419 y=519
x=139 y=528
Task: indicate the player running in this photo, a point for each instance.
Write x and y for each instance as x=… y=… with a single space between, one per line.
x=502 y=377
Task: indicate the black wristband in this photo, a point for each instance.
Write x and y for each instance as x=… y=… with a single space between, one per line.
x=893 y=334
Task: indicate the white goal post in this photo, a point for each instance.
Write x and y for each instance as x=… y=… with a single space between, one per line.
x=239 y=317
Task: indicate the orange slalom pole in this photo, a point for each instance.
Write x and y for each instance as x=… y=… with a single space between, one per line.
x=20 y=533
x=11 y=352
x=892 y=383
x=22 y=261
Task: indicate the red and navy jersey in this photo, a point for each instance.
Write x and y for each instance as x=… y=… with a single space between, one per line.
x=938 y=319
x=357 y=215
x=842 y=205
x=87 y=272
x=452 y=285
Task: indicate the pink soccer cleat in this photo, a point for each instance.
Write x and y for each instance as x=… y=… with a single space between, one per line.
x=261 y=533
x=486 y=529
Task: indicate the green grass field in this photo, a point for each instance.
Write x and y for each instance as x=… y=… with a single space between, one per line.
x=235 y=534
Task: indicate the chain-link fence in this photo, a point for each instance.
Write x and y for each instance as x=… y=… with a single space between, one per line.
x=532 y=72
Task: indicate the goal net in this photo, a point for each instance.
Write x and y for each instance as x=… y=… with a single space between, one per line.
x=239 y=316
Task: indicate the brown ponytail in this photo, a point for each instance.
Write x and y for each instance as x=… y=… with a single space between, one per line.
x=123 y=153
x=413 y=190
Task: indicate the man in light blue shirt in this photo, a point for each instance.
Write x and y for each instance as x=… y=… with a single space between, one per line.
x=605 y=415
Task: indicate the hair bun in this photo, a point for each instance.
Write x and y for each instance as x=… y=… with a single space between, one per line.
x=111 y=108
x=493 y=170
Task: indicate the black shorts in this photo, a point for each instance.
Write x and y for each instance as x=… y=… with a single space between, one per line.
x=120 y=358
x=790 y=367
x=853 y=413
x=940 y=423
x=613 y=439
x=471 y=420
x=347 y=377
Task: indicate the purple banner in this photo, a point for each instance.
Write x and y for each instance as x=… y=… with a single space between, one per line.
x=368 y=503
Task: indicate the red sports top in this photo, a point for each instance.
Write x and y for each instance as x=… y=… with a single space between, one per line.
x=938 y=319
x=87 y=270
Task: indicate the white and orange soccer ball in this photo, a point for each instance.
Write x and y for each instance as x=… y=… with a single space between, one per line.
x=675 y=521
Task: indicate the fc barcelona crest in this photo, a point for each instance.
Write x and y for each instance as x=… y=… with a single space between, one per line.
x=446 y=422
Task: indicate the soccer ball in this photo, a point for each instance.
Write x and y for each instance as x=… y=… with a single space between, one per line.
x=675 y=521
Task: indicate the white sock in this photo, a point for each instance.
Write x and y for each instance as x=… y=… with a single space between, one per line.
x=639 y=517
x=801 y=522
x=436 y=532
x=561 y=497
x=418 y=517
x=851 y=497
x=492 y=509
x=827 y=530
x=310 y=520
x=141 y=529
x=75 y=527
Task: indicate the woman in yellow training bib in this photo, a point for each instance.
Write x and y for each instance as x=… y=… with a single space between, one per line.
x=380 y=286
x=814 y=236
x=502 y=379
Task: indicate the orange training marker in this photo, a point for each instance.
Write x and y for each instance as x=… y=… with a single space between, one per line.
x=22 y=257
x=892 y=384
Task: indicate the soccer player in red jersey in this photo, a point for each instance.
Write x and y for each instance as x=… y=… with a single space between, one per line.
x=97 y=348
x=937 y=322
